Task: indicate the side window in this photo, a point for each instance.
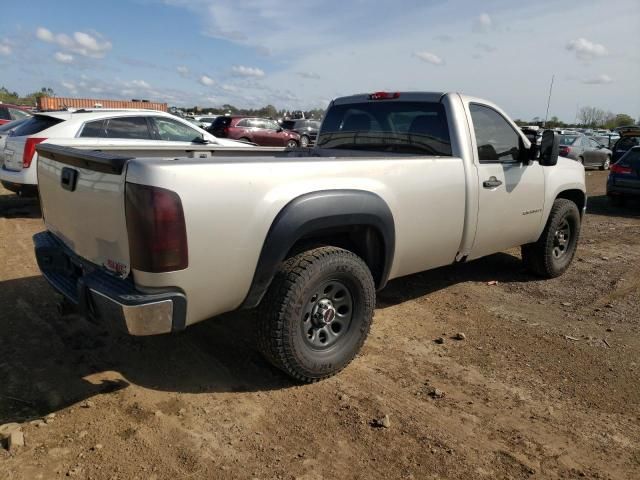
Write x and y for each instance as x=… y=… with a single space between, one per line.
x=18 y=114
x=593 y=143
x=173 y=131
x=497 y=140
x=4 y=113
x=243 y=123
x=93 y=129
x=128 y=127
x=257 y=123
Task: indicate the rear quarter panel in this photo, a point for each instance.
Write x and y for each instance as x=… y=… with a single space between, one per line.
x=229 y=207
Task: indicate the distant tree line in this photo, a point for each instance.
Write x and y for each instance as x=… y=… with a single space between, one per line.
x=30 y=99
x=588 y=117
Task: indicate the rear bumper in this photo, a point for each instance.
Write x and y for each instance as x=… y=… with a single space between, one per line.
x=104 y=298
x=626 y=188
x=26 y=176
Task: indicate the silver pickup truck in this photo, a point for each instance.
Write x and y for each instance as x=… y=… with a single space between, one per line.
x=397 y=183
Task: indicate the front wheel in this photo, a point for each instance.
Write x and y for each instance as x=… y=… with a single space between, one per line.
x=606 y=164
x=552 y=254
x=304 y=141
x=292 y=143
x=317 y=313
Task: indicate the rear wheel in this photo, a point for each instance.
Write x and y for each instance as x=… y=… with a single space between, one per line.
x=317 y=313
x=606 y=164
x=552 y=254
x=244 y=139
x=581 y=159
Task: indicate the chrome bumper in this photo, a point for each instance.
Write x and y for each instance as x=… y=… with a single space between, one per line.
x=104 y=298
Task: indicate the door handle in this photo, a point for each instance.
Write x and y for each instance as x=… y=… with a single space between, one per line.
x=493 y=182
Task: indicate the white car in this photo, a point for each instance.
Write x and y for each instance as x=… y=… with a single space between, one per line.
x=97 y=128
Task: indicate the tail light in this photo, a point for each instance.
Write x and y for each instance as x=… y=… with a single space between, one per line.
x=156 y=228
x=384 y=96
x=616 y=168
x=564 y=151
x=30 y=150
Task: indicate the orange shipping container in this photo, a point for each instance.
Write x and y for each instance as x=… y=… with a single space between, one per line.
x=59 y=103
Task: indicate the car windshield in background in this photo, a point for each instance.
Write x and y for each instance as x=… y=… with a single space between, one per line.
x=288 y=124
x=568 y=139
x=399 y=127
x=35 y=124
x=625 y=143
x=221 y=122
x=7 y=127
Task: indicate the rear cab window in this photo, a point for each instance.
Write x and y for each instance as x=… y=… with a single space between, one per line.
x=35 y=124
x=419 y=128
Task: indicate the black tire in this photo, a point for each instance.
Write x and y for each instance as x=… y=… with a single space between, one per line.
x=304 y=141
x=606 y=164
x=617 y=200
x=291 y=329
x=581 y=160
x=292 y=143
x=552 y=254
x=245 y=139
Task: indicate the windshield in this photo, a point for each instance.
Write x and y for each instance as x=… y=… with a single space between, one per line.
x=401 y=127
x=568 y=139
x=35 y=124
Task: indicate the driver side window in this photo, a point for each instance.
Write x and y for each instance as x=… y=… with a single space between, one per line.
x=497 y=141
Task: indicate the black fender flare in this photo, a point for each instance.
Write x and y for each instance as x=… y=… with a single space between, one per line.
x=314 y=212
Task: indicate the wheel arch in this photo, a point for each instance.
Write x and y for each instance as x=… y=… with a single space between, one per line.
x=356 y=220
x=576 y=196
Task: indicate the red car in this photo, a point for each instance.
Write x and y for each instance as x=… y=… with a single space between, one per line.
x=9 y=113
x=261 y=131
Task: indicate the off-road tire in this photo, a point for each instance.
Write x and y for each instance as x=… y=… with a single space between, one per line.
x=539 y=257
x=282 y=328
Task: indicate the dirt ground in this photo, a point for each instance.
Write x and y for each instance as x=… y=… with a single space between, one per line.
x=545 y=385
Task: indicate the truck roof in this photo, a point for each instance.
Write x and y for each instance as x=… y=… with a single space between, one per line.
x=397 y=96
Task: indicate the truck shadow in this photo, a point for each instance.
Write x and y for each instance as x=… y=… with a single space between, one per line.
x=600 y=205
x=501 y=267
x=14 y=206
x=49 y=362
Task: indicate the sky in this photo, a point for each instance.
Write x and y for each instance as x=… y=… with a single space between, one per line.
x=300 y=55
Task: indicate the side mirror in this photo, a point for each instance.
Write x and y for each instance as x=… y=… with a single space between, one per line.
x=549 y=148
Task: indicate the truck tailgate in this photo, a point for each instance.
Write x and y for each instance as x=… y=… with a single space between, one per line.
x=82 y=195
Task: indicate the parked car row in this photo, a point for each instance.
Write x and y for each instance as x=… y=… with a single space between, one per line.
x=261 y=131
x=95 y=128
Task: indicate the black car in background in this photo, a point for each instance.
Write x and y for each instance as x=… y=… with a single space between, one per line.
x=629 y=138
x=307 y=129
x=624 y=178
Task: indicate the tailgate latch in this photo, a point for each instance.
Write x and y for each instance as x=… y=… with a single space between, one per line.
x=69 y=178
